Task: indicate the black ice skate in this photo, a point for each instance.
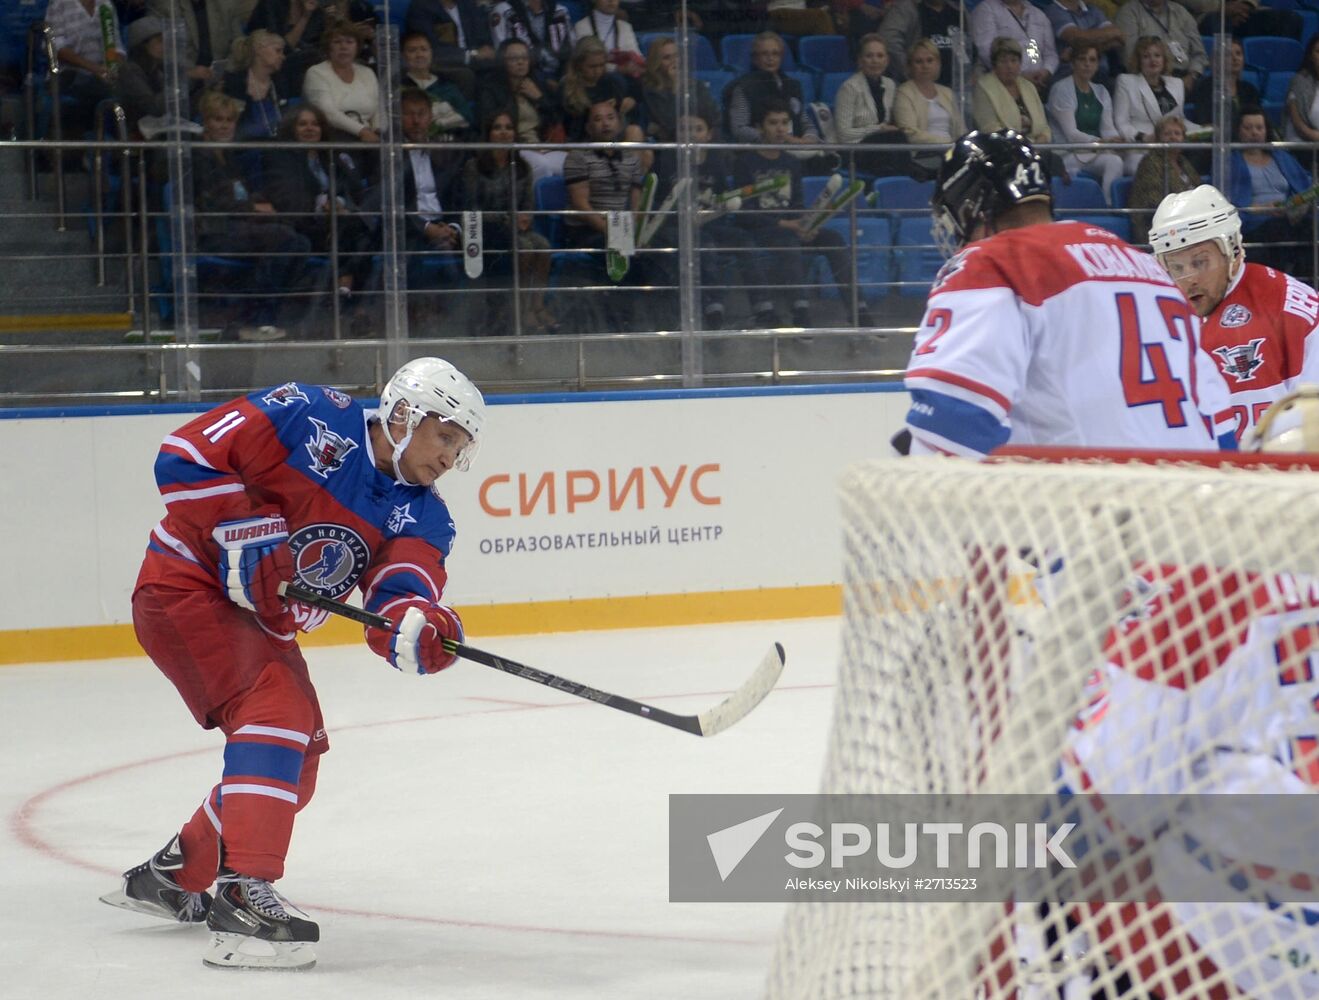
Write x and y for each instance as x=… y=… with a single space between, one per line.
x=150 y=888
x=252 y=929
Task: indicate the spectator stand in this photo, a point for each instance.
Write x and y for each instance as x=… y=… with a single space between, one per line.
x=916 y=259
x=735 y=53
x=703 y=57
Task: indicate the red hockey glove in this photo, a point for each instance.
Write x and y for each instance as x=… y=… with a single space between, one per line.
x=415 y=645
x=254 y=560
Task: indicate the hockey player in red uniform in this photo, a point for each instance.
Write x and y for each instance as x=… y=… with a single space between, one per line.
x=298 y=482
x=1257 y=323
x=1043 y=332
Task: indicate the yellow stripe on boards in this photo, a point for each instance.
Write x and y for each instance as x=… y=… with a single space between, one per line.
x=102 y=642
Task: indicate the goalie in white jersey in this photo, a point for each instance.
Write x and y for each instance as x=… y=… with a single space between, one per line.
x=1048 y=333
x=1228 y=707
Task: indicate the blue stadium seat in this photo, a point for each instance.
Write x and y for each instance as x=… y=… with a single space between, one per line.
x=716 y=80
x=398 y=11
x=902 y=195
x=703 y=51
x=550 y=197
x=823 y=53
x=1274 y=111
x=1309 y=26
x=735 y=53
x=874 y=259
x=918 y=257
x=1083 y=193
x=1208 y=41
x=1270 y=52
x=1278 y=84
x=829 y=84
x=1121 y=192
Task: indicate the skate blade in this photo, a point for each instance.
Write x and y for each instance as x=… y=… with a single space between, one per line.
x=123 y=901
x=241 y=951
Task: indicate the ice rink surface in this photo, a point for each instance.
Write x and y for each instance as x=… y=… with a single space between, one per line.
x=473 y=835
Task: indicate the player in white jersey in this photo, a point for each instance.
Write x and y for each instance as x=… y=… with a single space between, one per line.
x=1043 y=332
x=1256 y=322
x=1230 y=709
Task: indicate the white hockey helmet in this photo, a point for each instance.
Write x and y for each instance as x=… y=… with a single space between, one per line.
x=1290 y=425
x=432 y=387
x=1190 y=217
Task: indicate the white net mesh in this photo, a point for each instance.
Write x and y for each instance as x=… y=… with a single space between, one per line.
x=1109 y=628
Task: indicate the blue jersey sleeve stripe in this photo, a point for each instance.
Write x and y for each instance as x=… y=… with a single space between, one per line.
x=956 y=420
x=175 y=469
x=263 y=760
x=400 y=582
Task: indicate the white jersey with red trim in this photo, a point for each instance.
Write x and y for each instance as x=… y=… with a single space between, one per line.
x=1059 y=334
x=1260 y=336
x=1230 y=707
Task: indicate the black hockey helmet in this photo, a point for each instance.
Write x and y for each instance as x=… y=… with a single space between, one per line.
x=983 y=174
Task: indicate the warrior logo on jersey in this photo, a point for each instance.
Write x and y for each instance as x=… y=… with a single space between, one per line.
x=284 y=395
x=329 y=557
x=339 y=399
x=1241 y=361
x=327 y=449
x=1235 y=315
x=400 y=518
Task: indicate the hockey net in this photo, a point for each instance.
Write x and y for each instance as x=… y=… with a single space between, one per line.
x=1052 y=622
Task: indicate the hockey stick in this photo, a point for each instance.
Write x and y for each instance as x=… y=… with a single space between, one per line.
x=711 y=721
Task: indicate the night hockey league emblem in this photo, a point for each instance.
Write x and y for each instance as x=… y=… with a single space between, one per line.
x=327 y=449
x=1241 y=361
x=1235 y=315
x=400 y=518
x=329 y=557
x=284 y=395
x=339 y=399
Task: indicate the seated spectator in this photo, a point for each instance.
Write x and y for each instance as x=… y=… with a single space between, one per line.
x=301 y=23
x=256 y=60
x=543 y=26
x=764 y=82
x=600 y=181
x=622 y=52
x=1006 y=98
x=1262 y=180
x=85 y=79
x=346 y=91
x=777 y=224
x=1170 y=22
x=1146 y=94
x=725 y=252
x=659 y=88
x=1081 y=110
x=233 y=221
x=1302 y=115
x=524 y=94
x=432 y=196
x=504 y=197
x=906 y=22
x=1163 y=172
x=800 y=17
x=458 y=30
x=586 y=83
x=1077 y=23
x=140 y=86
x=925 y=109
x=208 y=40
x=1243 y=91
x=1025 y=24
x=299 y=186
x=451 y=112
x=863 y=110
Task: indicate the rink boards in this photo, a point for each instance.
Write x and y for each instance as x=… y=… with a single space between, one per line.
x=603 y=510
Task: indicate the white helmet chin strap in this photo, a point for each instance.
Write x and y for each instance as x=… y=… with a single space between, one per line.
x=400 y=446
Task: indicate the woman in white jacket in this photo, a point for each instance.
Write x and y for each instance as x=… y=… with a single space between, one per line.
x=1145 y=95
x=863 y=109
x=1081 y=111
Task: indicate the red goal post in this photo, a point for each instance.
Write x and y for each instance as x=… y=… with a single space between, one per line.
x=1158 y=575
